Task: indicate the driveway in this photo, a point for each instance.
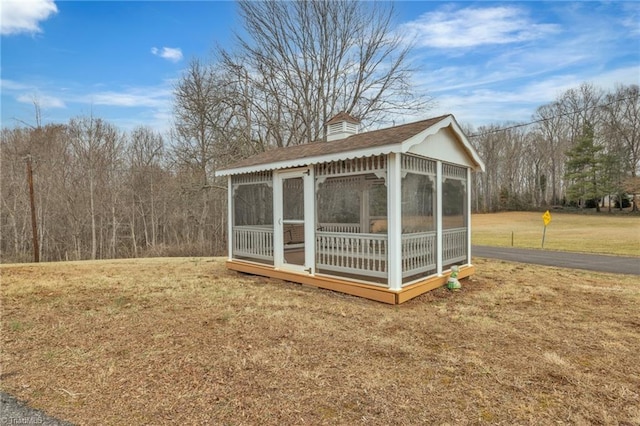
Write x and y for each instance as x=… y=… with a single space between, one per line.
x=590 y=262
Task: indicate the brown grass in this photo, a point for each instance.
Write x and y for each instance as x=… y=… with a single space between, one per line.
x=603 y=233
x=183 y=341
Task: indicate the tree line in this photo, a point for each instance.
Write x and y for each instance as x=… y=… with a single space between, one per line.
x=101 y=192
x=582 y=150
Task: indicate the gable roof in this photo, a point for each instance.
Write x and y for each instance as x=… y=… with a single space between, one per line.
x=376 y=142
x=343 y=116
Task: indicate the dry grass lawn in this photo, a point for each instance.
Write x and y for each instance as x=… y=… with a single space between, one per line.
x=586 y=233
x=183 y=341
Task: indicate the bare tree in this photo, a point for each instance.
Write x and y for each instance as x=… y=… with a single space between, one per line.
x=580 y=107
x=623 y=133
x=93 y=144
x=14 y=145
x=145 y=155
x=195 y=113
x=553 y=132
x=489 y=142
x=205 y=127
x=305 y=61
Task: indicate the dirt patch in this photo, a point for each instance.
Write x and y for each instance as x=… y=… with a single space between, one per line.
x=165 y=341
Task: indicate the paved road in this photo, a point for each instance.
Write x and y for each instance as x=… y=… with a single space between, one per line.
x=14 y=412
x=591 y=262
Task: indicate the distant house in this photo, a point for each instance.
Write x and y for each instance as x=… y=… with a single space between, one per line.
x=382 y=214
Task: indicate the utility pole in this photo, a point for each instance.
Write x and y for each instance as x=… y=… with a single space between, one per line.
x=34 y=225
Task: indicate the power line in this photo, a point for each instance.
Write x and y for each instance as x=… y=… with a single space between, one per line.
x=515 y=126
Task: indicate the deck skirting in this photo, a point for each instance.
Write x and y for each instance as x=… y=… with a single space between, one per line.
x=345 y=285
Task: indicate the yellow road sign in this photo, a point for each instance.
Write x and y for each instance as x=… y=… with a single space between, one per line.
x=546 y=218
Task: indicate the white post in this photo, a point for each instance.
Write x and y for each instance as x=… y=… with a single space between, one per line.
x=439 y=204
x=468 y=188
x=278 y=240
x=310 y=220
x=394 y=221
x=229 y=217
x=364 y=208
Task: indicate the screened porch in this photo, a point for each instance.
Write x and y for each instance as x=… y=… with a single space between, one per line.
x=381 y=214
x=350 y=218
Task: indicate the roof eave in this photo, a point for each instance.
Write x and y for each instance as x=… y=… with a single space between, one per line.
x=307 y=161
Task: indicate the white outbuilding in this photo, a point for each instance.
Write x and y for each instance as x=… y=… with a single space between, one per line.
x=383 y=214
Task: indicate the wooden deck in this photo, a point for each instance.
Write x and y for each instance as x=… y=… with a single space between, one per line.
x=344 y=285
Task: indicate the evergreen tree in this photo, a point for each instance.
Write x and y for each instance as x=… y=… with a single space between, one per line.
x=584 y=168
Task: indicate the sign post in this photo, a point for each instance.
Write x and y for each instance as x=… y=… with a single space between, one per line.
x=546 y=218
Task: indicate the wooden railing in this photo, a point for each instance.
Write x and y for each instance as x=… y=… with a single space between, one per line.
x=454 y=245
x=253 y=241
x=418 y=253
x=358 y=254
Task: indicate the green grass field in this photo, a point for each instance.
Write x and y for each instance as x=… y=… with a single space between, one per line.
x=604 y=234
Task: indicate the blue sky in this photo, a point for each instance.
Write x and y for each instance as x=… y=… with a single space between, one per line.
x=485 y=62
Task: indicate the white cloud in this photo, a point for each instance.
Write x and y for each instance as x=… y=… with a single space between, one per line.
x=134 y=97
x=631 y=17
x=24 y=16
x=11 y=85
x=499 y=83
x=127 y=107
x=121 y=99
x=474 y=26
x=608 y=80
x=30 y=94
x=43 y=101
x=482 y=105
x=150 y=106
x=173 y=54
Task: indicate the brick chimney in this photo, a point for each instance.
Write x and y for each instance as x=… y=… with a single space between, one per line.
x=342 y=126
